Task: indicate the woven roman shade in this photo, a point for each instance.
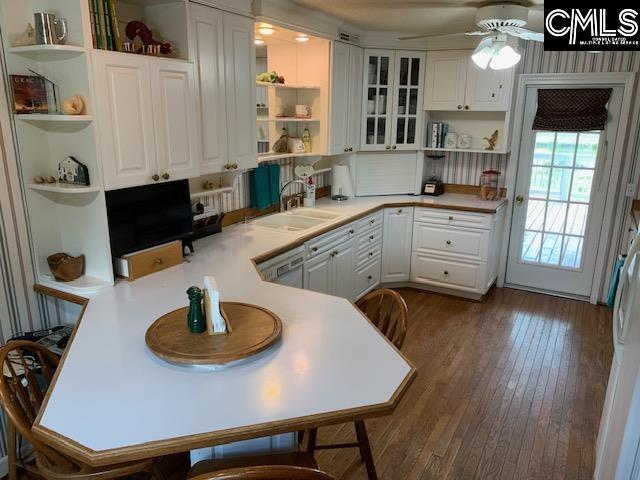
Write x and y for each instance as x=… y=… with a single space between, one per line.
x=572 y=110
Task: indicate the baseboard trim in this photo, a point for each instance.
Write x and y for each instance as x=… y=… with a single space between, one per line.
x=450 y=292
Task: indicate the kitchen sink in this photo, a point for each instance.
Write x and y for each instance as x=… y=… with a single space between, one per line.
x=296 y=220
x=314 y=213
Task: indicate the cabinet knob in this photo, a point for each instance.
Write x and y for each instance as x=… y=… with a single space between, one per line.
x=234 y=165
x=370 y=277
x=387 y=147
x=466 y=107
x=448 y=242
x=165 y=176
x=519 y=199
x=155 y=177
x=399 y=210
x=158 y=261
x=227 y=166
x=446 y=272
x=450 y=218
x=351 y=149
x=394 y=147
x=372 y=221
x=370 y=237
x=371 y=254
x=314 y=249
x=459 y=107
x=346 y=149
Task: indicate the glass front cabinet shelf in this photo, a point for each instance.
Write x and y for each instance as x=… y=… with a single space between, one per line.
x=393 y=91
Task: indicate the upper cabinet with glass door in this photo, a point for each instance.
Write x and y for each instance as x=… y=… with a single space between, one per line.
x=393 y=89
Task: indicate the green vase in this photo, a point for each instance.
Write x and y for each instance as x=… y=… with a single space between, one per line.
x=195 y=318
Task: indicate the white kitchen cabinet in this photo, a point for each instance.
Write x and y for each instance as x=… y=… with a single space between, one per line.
x=177 y=141
x=332 y=271
x=396 y=244
x=393 y=91
x=346 y=94
x=454 y=82
x=125 y=117
x=223 y=51
x=207 y=40
x=317 y=273
x=456 y=251
x=240 y=74
x=148 y=132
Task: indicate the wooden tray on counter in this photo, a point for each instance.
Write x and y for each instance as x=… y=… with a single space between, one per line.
x=254 y=329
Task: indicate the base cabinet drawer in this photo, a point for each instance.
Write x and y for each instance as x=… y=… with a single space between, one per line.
x=444 y=240
x=454 y=217
x=448 y=273
x=373 y=252
x=367 y=278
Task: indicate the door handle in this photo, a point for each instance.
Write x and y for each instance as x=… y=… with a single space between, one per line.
x=519 y=199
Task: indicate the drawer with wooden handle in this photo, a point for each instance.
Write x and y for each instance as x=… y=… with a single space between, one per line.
x=443 y=240
x=366 y=239
x=454 y=217
x=139 y=264
x=374 y=251
x=448 y=273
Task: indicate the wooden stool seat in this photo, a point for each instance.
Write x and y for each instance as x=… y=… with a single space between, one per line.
x=296 y=459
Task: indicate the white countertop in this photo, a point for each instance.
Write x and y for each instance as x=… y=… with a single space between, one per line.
x=113 y=393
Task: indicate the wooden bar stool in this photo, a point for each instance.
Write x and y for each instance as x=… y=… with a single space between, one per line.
x=28 y=369
x=387 y=310
x=289 y=466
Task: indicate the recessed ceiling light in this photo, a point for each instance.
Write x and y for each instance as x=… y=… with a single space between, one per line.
x=302 y=38
x=258 y=41
x=266 y=30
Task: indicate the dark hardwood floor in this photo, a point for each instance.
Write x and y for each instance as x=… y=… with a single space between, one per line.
x=508 y=388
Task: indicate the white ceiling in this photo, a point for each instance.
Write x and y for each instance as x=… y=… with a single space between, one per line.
x=433 y=17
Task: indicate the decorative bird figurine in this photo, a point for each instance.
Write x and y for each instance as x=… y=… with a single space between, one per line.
x=490 y=143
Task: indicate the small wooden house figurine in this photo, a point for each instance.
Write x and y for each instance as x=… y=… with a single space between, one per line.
x=71 y=170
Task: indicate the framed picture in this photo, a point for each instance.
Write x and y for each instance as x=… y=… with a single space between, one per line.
x=29 y=94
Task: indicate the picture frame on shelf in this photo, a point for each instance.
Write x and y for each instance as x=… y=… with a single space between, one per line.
x=29 y=94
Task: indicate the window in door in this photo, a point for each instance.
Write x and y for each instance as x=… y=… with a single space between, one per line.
x=560 y=192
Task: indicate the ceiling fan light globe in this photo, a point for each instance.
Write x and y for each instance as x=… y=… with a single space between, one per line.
x=482 y=59
x=505 y=58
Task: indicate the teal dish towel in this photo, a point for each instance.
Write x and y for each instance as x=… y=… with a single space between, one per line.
x=274 y=183
x=615 y=278
x=259 y=185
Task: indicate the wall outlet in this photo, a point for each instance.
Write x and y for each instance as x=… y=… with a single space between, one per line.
x=631 y=190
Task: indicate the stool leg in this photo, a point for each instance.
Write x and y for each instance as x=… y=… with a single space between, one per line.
x=11 y=446
x=311 y=444
x=365 y=450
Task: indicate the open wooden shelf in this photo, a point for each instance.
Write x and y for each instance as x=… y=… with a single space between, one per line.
x=48 y=52
x=277 y=156
x=465 y=150
x=64 y=188
x=292 y=119
x=286 y=85
x=84 y=285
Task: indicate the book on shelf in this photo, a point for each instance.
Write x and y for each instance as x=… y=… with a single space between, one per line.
x=92 y=20
x=115 y=29
x=436 y=133
x=103 y=25
x=95 y=24
x=108 y=27
x=105 y=30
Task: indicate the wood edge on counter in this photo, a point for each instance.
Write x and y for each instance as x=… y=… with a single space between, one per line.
x=159 y=448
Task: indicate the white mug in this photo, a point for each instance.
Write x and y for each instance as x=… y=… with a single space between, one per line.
x=464 y=141
x=451 y=140
x=303 y=111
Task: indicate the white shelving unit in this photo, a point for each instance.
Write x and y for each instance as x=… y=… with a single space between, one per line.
x=63 y=218
x=292 y=119
x=277 y=156
x=64 y=188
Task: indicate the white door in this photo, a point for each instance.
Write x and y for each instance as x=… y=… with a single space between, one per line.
x=240 y=91
x=407 y=100
x=208 y=54
x=561 y=188
x=343 y=271
x=445 y=80
x=125 y=118
x=377 y=99
x=176 y=126
x=396 y=244
x=339 y=98
x=354 y=123
x=487 y=90
x=317 y=274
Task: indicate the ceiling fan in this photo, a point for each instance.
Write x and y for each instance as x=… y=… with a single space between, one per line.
x=497 y=21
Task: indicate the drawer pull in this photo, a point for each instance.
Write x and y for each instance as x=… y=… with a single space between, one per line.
x=370 y=237
x=314 y=249
x=372 y=221
x=446 y=272
x=155 y=177
x=371 y=254
x=158 y=261
x=450 y=218
x=448 y=242
x=352 y=231
x=166 y=176
x=399 y=210
x=370 y=277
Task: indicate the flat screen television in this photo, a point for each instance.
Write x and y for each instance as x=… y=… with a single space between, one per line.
x=143 y=217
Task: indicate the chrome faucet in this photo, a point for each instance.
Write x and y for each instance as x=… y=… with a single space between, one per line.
x=301 y=182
